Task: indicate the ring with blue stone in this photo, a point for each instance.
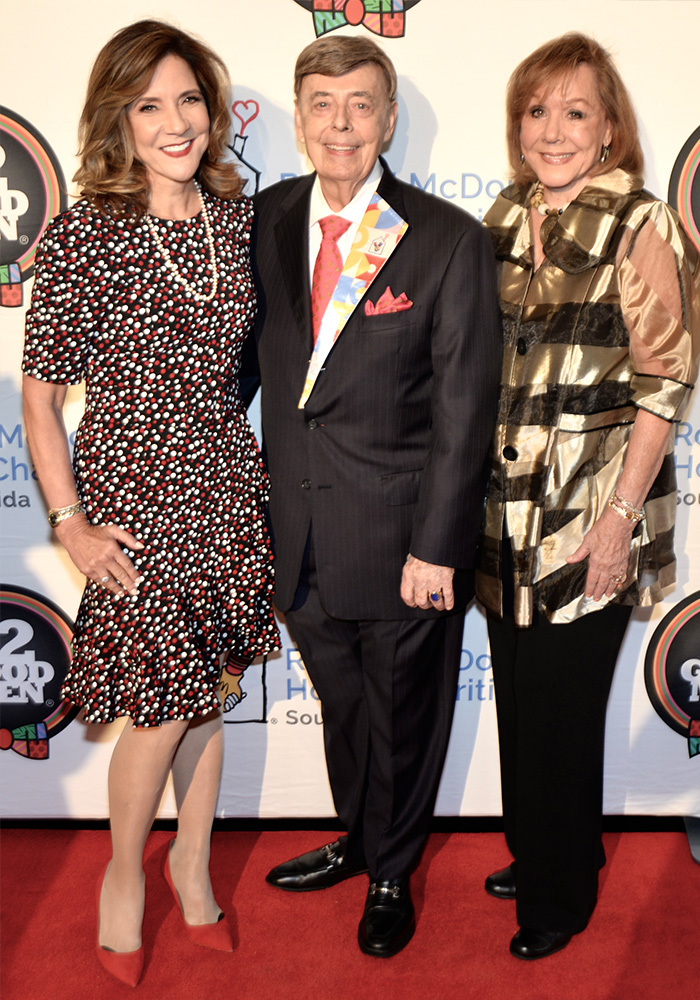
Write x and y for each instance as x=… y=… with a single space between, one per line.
x=434 y=597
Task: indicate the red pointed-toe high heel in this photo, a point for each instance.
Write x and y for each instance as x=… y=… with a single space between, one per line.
x=126 y=966
x=217 y=935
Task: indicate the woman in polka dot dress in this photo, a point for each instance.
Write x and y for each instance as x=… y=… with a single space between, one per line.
x=144 y=290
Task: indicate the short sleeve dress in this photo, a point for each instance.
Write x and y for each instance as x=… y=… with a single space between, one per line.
x=164 y=449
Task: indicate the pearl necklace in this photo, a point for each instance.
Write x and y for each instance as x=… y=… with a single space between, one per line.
x=172 y=266
x=551 y=215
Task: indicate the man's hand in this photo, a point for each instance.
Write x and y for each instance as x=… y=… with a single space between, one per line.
x=424 y=585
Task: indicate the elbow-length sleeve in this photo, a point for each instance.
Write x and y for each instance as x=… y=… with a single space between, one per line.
x=66 y=298
x=659 y=278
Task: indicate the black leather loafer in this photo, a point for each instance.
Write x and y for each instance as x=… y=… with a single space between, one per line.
x=317 y=869
x=501 y=884
x=529 y=943
x=389 y=920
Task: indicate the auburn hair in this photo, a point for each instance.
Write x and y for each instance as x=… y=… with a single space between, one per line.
x=553 y=63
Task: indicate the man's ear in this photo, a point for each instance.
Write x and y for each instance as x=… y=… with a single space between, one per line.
x=297 y=122
x=393 y=112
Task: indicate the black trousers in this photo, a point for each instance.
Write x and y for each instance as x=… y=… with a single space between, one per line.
x=388 y=692
x=552 y=684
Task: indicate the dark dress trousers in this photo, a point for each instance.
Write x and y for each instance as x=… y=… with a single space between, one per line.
x=387 y=458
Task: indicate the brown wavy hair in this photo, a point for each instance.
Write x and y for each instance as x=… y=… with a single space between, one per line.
x=547 y=66
x=110 y=174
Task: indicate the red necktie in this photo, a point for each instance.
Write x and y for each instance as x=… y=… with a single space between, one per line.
x=327 y=268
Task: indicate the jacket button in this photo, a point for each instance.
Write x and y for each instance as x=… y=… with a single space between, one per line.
x=510 y=453
x=306 y=484
x=522 y=346
x=312 y=424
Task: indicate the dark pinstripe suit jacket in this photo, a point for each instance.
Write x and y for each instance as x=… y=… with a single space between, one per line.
x=388 y=455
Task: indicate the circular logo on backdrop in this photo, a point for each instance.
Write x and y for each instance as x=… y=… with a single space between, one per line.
x=672 y=670
x=32 y=191
x=684 y=187
x=35 y=654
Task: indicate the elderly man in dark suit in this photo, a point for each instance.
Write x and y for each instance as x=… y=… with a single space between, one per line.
x=379 y=351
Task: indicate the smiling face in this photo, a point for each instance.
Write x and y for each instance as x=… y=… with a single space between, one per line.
x=170 y=126
x=344 y=121
x=562 y=133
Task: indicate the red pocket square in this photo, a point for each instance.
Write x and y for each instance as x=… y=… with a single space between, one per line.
x=386 y=303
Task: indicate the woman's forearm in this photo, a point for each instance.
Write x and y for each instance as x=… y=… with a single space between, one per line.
x=645 y=453
x=97 y=550
x=48 y=443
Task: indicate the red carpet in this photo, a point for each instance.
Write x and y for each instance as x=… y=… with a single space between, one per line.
x=642 y=944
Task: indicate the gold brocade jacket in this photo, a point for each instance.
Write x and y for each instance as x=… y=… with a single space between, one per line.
x=616 y=261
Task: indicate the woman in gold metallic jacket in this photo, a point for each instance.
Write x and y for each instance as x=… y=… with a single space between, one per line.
x=599 y=293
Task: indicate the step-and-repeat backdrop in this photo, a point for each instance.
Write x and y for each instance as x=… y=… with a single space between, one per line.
x=453 y=58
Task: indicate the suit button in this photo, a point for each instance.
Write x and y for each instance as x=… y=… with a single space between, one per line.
x=312 y=424
x=522 y=346
x=510 y=453
x=306 y=484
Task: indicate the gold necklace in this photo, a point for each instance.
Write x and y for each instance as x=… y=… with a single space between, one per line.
x=551 y=215
x=172 y=266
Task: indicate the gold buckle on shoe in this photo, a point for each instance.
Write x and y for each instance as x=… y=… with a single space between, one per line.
x=394 y=891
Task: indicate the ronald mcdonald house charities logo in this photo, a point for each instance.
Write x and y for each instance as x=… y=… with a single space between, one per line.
x=32 y=191
x=35 y=654
x=672 y=670
x=383 y=17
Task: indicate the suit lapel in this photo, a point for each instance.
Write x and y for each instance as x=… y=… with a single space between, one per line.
x=383 y=227
x=390 y=189
x=378 y=235
x=292 y=236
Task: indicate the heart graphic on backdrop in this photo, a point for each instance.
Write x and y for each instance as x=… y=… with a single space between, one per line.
x=245 y=112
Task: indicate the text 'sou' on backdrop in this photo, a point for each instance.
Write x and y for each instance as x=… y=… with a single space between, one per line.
x=453 y=60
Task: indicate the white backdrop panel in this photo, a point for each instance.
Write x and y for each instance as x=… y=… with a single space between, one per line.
x=453 y=64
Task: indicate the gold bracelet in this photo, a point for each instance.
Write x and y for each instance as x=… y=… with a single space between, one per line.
x=626 y=505
x=625 y=509
x=58 y=514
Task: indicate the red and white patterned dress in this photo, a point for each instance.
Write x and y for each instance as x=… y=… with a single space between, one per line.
x=164 y=449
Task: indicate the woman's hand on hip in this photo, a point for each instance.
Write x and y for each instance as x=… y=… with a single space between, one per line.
x=96 y=549
x=607 y=548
